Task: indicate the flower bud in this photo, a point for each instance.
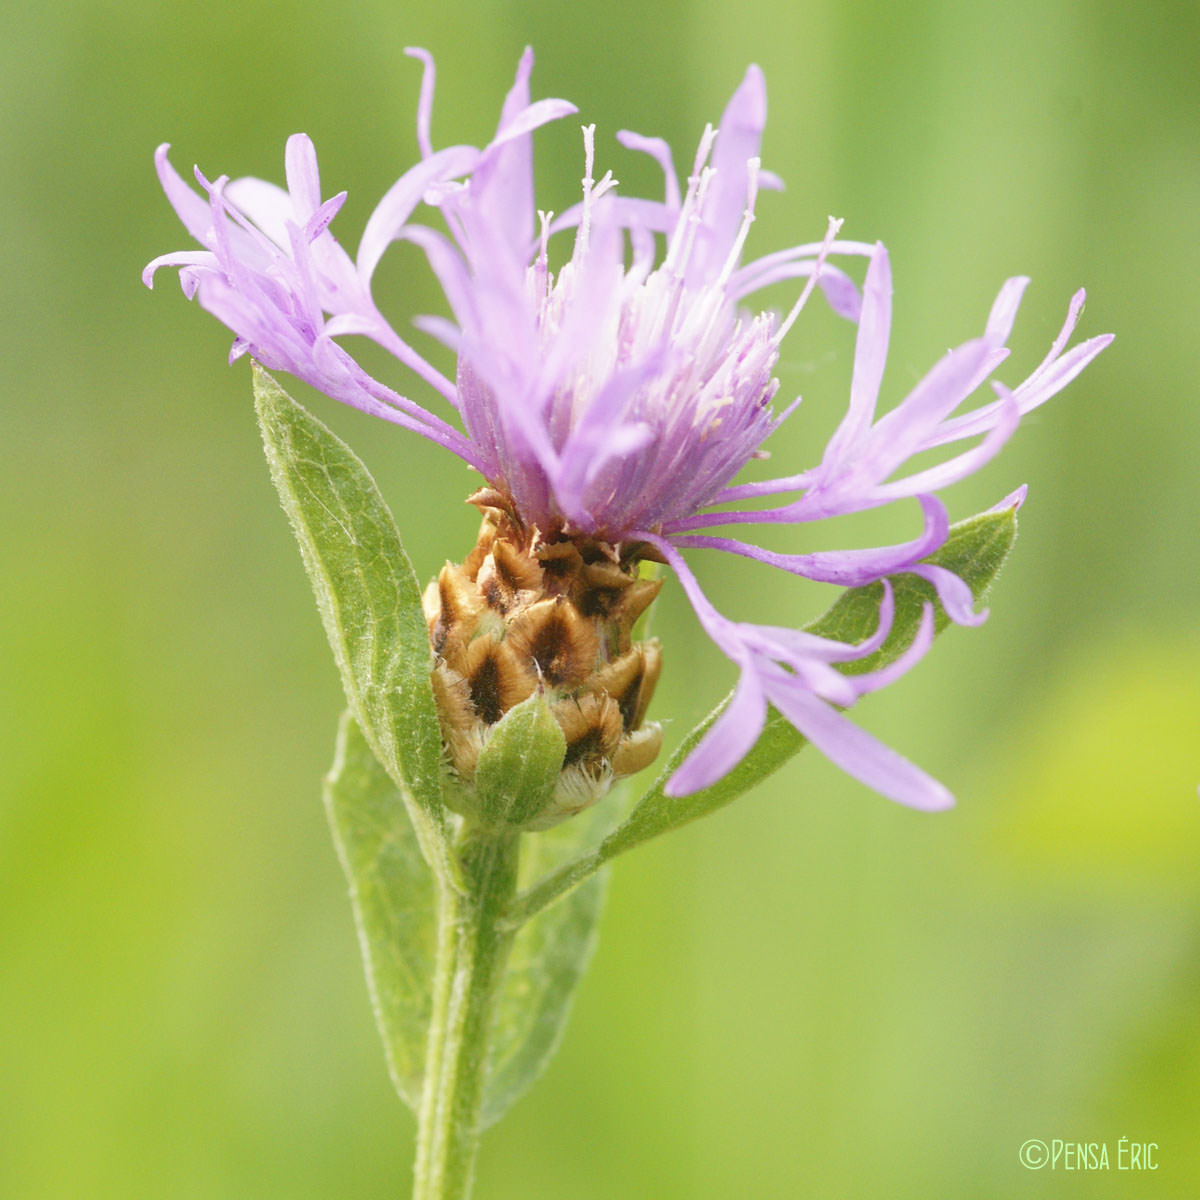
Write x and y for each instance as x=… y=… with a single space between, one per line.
x=541 y=691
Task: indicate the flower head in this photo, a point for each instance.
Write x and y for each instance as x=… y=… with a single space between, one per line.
x=610 y=403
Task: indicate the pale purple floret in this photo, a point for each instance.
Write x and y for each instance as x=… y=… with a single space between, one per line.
x=618 y=397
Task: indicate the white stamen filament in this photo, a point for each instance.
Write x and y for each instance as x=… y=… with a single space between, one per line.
x=585 y=219
x=753 y=166
x=826 y=245
x=541 y=264
x=697 y=187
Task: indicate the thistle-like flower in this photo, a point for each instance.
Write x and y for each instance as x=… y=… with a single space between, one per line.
x=609 y=406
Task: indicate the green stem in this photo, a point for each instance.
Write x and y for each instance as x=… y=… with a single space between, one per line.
x=471 y=957
x=549 y=888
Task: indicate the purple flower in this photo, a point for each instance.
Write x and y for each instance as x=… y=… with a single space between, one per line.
x=617 y=398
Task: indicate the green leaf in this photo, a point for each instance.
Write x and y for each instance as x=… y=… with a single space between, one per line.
x=392 y=892
x=975 y=550
x=518 y=768
x=368 y=596
x=547 y=960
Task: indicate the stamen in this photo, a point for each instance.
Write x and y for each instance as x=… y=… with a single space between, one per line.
x=693 y=218
x=585 y=218
x=541 y=264
x=826 y=246
x=707 y=139
x=752 y=169
x=676 y=254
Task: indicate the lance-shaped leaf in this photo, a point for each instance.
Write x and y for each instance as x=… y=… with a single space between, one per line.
x=368 y=596
x=974 y=551
x=547 y=961
x=392 y=892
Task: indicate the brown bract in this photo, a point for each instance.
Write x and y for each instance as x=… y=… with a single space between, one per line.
x=526 y=612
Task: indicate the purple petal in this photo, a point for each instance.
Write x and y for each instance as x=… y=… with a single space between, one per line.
x=502 y=184
x=1074 y=309
x=316 y=224
x=730 y=739
x=848 y=568
x=539 y=113
x=1050 y=377
x=303 y=178
x=604 y=432
x=392 y=212
x=841 y=292
x=870 y=355
x=897 y=435
x=772 y=267
x=1004 y=310
x=959 y=467
x=345 y=324
x=441 y=329
x=857 y=753
x=425 y=103
x=597 y=283
x=631 y=212
x=795 y=644
x=715 y=625
x=264 y=203
x=747 y=491
x=447 y=264
x=660 y=151
x=875 y=681
x=955 y=596
x=180 y=258
x=192 y=210
x=739 y=135
x=1048 y=381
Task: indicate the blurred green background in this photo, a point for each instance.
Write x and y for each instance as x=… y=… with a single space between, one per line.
x=812 y=993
